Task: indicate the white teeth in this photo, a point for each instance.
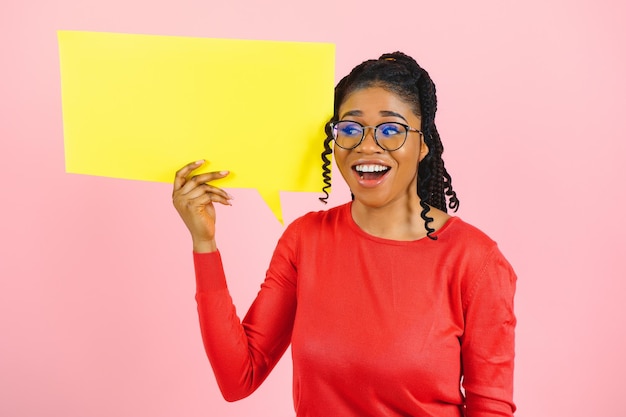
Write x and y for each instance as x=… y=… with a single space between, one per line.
x=371 y=168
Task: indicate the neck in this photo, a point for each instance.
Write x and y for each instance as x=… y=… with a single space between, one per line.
x=398 y=220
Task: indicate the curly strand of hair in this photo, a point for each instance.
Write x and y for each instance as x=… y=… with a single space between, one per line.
x=438 y=196
x=439 y=186
x=453 y=201
x=429 y=198
x=433 y=176
x=326 y=167
x=427 y=220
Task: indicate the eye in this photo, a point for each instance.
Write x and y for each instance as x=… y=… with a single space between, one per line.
x=388 y=130
x=350 y=129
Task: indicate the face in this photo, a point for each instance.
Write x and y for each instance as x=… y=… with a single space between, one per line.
x=394 y=176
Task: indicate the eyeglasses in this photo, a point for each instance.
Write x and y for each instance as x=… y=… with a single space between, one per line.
x=389 y=135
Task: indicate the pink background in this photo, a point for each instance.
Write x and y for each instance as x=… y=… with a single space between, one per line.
x=97 y=316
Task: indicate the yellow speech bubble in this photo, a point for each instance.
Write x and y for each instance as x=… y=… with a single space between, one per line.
x=141 y=106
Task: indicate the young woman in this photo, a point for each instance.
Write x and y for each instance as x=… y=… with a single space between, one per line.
x=392 y=306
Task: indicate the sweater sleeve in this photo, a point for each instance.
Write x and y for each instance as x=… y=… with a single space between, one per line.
x=487 y=346
x=242 y=353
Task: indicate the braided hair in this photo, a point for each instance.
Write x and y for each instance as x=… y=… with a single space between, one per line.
x=402 y=75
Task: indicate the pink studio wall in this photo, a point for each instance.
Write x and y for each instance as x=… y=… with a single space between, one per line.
x=97 y=316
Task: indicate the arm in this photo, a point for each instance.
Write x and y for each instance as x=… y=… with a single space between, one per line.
x=242 y=354
x=488 y=344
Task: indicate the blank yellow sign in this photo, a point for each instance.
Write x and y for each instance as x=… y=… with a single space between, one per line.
x=140 y=107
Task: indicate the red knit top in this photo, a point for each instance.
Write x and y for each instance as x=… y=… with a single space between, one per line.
x=377 y=327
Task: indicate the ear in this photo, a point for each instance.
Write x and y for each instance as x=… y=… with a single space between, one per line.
x=423 y=150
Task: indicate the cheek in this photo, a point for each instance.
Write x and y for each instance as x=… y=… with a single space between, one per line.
x=340 y=161
x=409 y=158
x=339 y=154
x=408 y=169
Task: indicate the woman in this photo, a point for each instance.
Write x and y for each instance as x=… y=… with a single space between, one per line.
x=392 y=306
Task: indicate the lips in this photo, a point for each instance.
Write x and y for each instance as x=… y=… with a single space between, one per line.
x=370 y=174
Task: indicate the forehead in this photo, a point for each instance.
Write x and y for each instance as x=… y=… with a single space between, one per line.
x=376 y=99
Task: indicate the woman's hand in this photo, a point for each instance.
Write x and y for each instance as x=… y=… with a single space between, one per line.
x=193 y=199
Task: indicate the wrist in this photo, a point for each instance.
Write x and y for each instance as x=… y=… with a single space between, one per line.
x=204 y=246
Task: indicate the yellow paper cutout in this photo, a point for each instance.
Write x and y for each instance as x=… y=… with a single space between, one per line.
x=141 y=106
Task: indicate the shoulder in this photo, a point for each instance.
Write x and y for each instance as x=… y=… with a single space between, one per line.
x=468 y=246
x=477 y=259
x=316 y=219
x=307 y=233
x=316 y=228
x=464 y=235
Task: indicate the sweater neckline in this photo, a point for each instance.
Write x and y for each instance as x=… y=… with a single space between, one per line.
x=347 y=212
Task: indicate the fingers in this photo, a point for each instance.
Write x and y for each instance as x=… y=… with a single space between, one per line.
x=204 y=194
x=189 y=188
x=193 y=197
x=181 y=174
x=200 y=182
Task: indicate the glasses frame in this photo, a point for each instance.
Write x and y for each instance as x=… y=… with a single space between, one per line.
x=333 y=129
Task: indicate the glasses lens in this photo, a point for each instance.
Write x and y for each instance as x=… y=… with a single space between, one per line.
x=347 y=134
x=391 y=136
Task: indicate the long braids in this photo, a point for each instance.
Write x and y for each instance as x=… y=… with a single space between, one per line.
x=402 y=75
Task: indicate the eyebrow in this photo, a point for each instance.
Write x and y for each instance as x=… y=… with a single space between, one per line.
x=384 y=113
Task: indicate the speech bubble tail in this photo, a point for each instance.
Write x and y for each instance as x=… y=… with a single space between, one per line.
x=272 y=199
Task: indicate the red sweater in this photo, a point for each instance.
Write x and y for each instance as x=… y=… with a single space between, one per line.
x=377 y=327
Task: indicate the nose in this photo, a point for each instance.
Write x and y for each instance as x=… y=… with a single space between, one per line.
x=368 y=144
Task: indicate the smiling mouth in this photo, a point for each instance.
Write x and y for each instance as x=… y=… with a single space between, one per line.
x=371 y=171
